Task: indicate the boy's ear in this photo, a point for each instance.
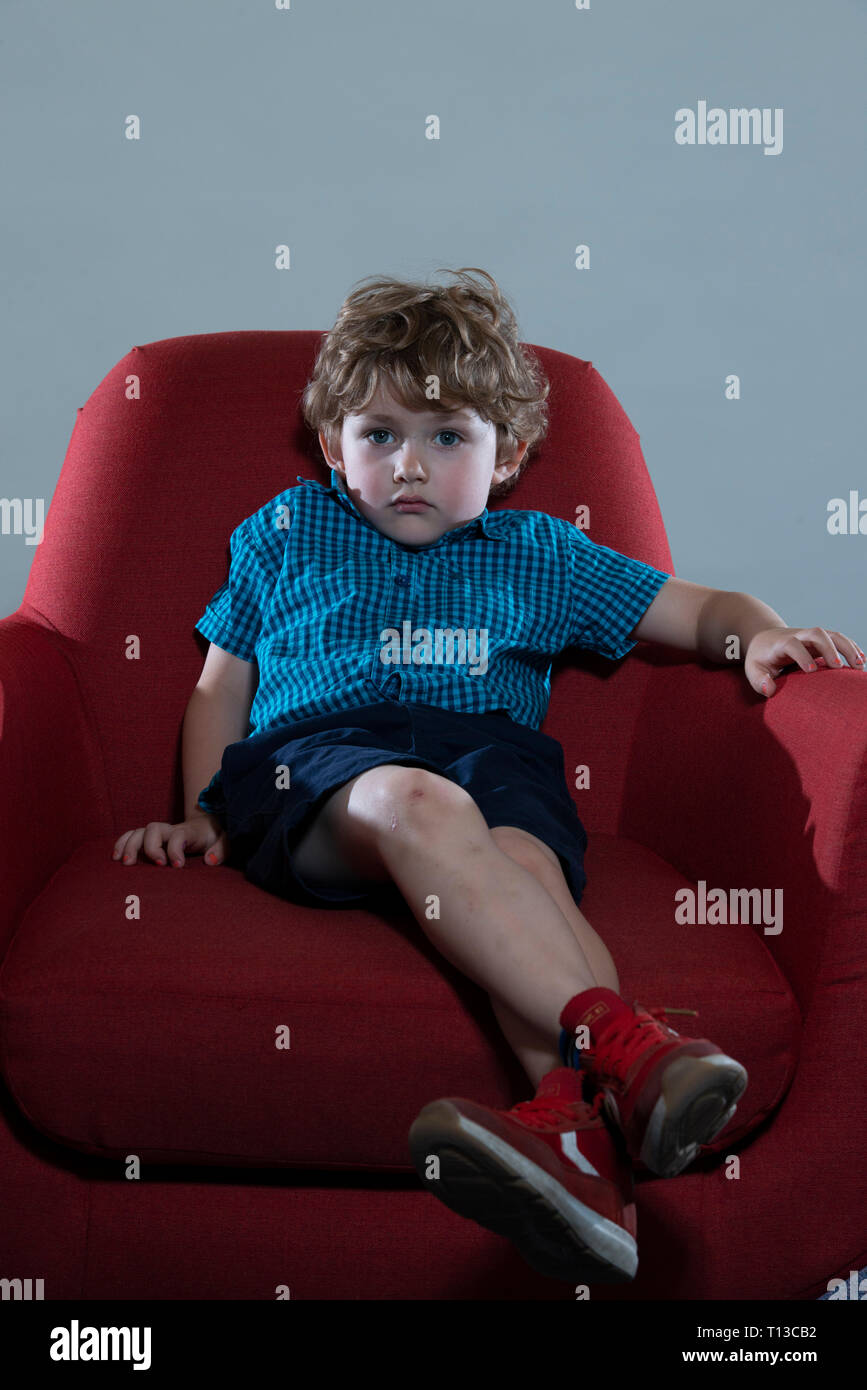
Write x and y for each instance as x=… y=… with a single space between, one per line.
x=333 y=459
x=507 y=466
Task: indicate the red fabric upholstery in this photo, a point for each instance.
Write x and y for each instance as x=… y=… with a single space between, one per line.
x=168 y=1040
x=154 y=1035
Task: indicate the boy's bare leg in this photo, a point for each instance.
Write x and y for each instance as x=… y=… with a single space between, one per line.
x=491 y=918
x=527 y=1044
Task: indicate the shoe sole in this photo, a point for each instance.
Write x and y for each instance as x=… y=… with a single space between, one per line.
x=698 y=1096
x=490 y=1182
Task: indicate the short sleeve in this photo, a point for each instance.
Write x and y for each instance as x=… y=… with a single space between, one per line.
x=610 y=593
x=233 y=618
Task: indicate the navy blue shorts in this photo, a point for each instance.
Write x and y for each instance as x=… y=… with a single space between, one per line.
x=515 y=775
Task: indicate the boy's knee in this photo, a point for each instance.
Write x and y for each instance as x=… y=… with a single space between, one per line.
x=401 y=795
x=527 y=850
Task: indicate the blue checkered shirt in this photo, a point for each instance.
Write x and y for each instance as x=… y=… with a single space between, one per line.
x=337 y=615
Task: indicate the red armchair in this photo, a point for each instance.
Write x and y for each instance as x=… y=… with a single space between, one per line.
x=139 y=1006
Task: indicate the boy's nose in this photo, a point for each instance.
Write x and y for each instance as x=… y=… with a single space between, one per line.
x=410 y=466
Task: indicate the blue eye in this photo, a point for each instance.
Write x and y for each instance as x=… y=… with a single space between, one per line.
x=382 y=430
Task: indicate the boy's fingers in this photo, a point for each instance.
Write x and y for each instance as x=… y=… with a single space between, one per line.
x=132 y=846
x=176 y=844
x=217 y=853
x=850 y=650
x=177 y=840
x=154 y=836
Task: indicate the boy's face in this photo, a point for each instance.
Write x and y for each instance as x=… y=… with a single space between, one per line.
x=448 y=460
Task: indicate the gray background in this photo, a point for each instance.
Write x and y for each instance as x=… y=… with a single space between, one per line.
x=306 y=126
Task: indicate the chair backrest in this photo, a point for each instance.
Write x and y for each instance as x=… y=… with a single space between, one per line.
x=187 y=436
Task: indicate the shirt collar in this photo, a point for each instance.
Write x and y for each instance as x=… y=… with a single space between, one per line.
x=489 y=523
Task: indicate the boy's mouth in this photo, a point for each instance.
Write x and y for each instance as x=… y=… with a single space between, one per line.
x=410 y=503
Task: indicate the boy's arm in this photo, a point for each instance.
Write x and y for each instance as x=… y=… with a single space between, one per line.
x=697 y=619
x=703 y=620
x=217 y=714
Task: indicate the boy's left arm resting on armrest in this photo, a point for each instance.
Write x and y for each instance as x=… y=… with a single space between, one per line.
x=696 y=618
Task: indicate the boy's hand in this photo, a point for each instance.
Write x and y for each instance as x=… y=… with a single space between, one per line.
x=196 y=835
x=775 y=647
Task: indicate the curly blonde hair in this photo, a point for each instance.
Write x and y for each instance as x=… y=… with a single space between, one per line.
x=465 y=335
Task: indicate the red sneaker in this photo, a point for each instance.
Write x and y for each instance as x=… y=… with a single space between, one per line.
x=669 y=1095
x=548 y=1174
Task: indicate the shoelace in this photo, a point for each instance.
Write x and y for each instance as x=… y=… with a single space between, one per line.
x=618 y=1044
x=543 y=1111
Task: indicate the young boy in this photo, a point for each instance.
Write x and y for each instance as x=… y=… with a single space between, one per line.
x=416 y=772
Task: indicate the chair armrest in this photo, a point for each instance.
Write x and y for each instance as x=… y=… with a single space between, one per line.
x=745 y=792
x=53 y=792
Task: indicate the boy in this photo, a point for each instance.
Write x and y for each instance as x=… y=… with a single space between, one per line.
x=417 y=773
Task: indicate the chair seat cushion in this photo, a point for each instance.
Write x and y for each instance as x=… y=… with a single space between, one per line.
x=185 y=1015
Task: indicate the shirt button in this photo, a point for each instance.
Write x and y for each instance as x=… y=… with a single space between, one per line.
x=401 y=579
